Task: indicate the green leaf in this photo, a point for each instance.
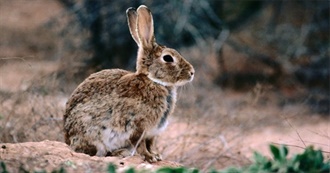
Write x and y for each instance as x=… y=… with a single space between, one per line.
x=130 y=170
x=325 y=167
x=61 y=170
x=3 y=167
x=295 y=163
x=260 y=159
x=171 y=170
x=195 y=171
x=284 y=152
x=275 y=151
x=215 y=171
x=111 y=168
x=318 y=158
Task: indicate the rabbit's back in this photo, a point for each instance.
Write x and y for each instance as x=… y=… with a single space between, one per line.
x=100 y=82
x=88 y=99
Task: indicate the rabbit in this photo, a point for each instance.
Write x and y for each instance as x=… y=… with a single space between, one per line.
x=116 y=112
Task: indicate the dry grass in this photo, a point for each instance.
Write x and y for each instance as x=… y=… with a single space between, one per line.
x=211 y=127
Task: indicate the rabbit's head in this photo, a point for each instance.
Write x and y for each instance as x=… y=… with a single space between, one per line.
x=161 y=64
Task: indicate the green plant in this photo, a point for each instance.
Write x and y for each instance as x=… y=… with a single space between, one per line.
x=176 y=170
x=111 y=168
x=3 y=168
x=310 y=161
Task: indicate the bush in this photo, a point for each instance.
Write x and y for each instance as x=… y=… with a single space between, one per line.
x=310 y=161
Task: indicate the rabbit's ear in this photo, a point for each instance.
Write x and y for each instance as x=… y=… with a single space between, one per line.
x=145 y=26
x=132 y=23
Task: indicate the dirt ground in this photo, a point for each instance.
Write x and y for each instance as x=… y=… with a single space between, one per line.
x=211 y=127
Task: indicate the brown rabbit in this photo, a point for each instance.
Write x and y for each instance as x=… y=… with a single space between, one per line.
x=116 y=112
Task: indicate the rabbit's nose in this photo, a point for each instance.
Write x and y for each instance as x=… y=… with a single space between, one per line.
x=192 y=72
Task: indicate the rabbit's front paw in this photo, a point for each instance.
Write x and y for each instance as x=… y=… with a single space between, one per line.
x=158 y=157
x=152 y=158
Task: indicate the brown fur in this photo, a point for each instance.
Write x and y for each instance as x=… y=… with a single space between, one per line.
x=115 y=111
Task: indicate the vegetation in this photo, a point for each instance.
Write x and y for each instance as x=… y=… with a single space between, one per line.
x=310 y=161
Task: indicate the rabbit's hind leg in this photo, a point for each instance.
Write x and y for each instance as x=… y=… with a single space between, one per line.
x=90 y=149
x=122 y=152
x=83 y=146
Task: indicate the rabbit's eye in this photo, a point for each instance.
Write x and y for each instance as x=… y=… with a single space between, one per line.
x=168 y=58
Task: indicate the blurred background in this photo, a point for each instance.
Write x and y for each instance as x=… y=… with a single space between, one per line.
x=262 y=70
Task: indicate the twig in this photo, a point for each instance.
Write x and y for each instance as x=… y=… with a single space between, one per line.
x=322 y=135
x=294 y=130
x=20 y=58
x=137 y=144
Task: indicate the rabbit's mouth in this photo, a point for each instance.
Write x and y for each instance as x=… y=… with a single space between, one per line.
x=183 y=82
x=187 y=76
